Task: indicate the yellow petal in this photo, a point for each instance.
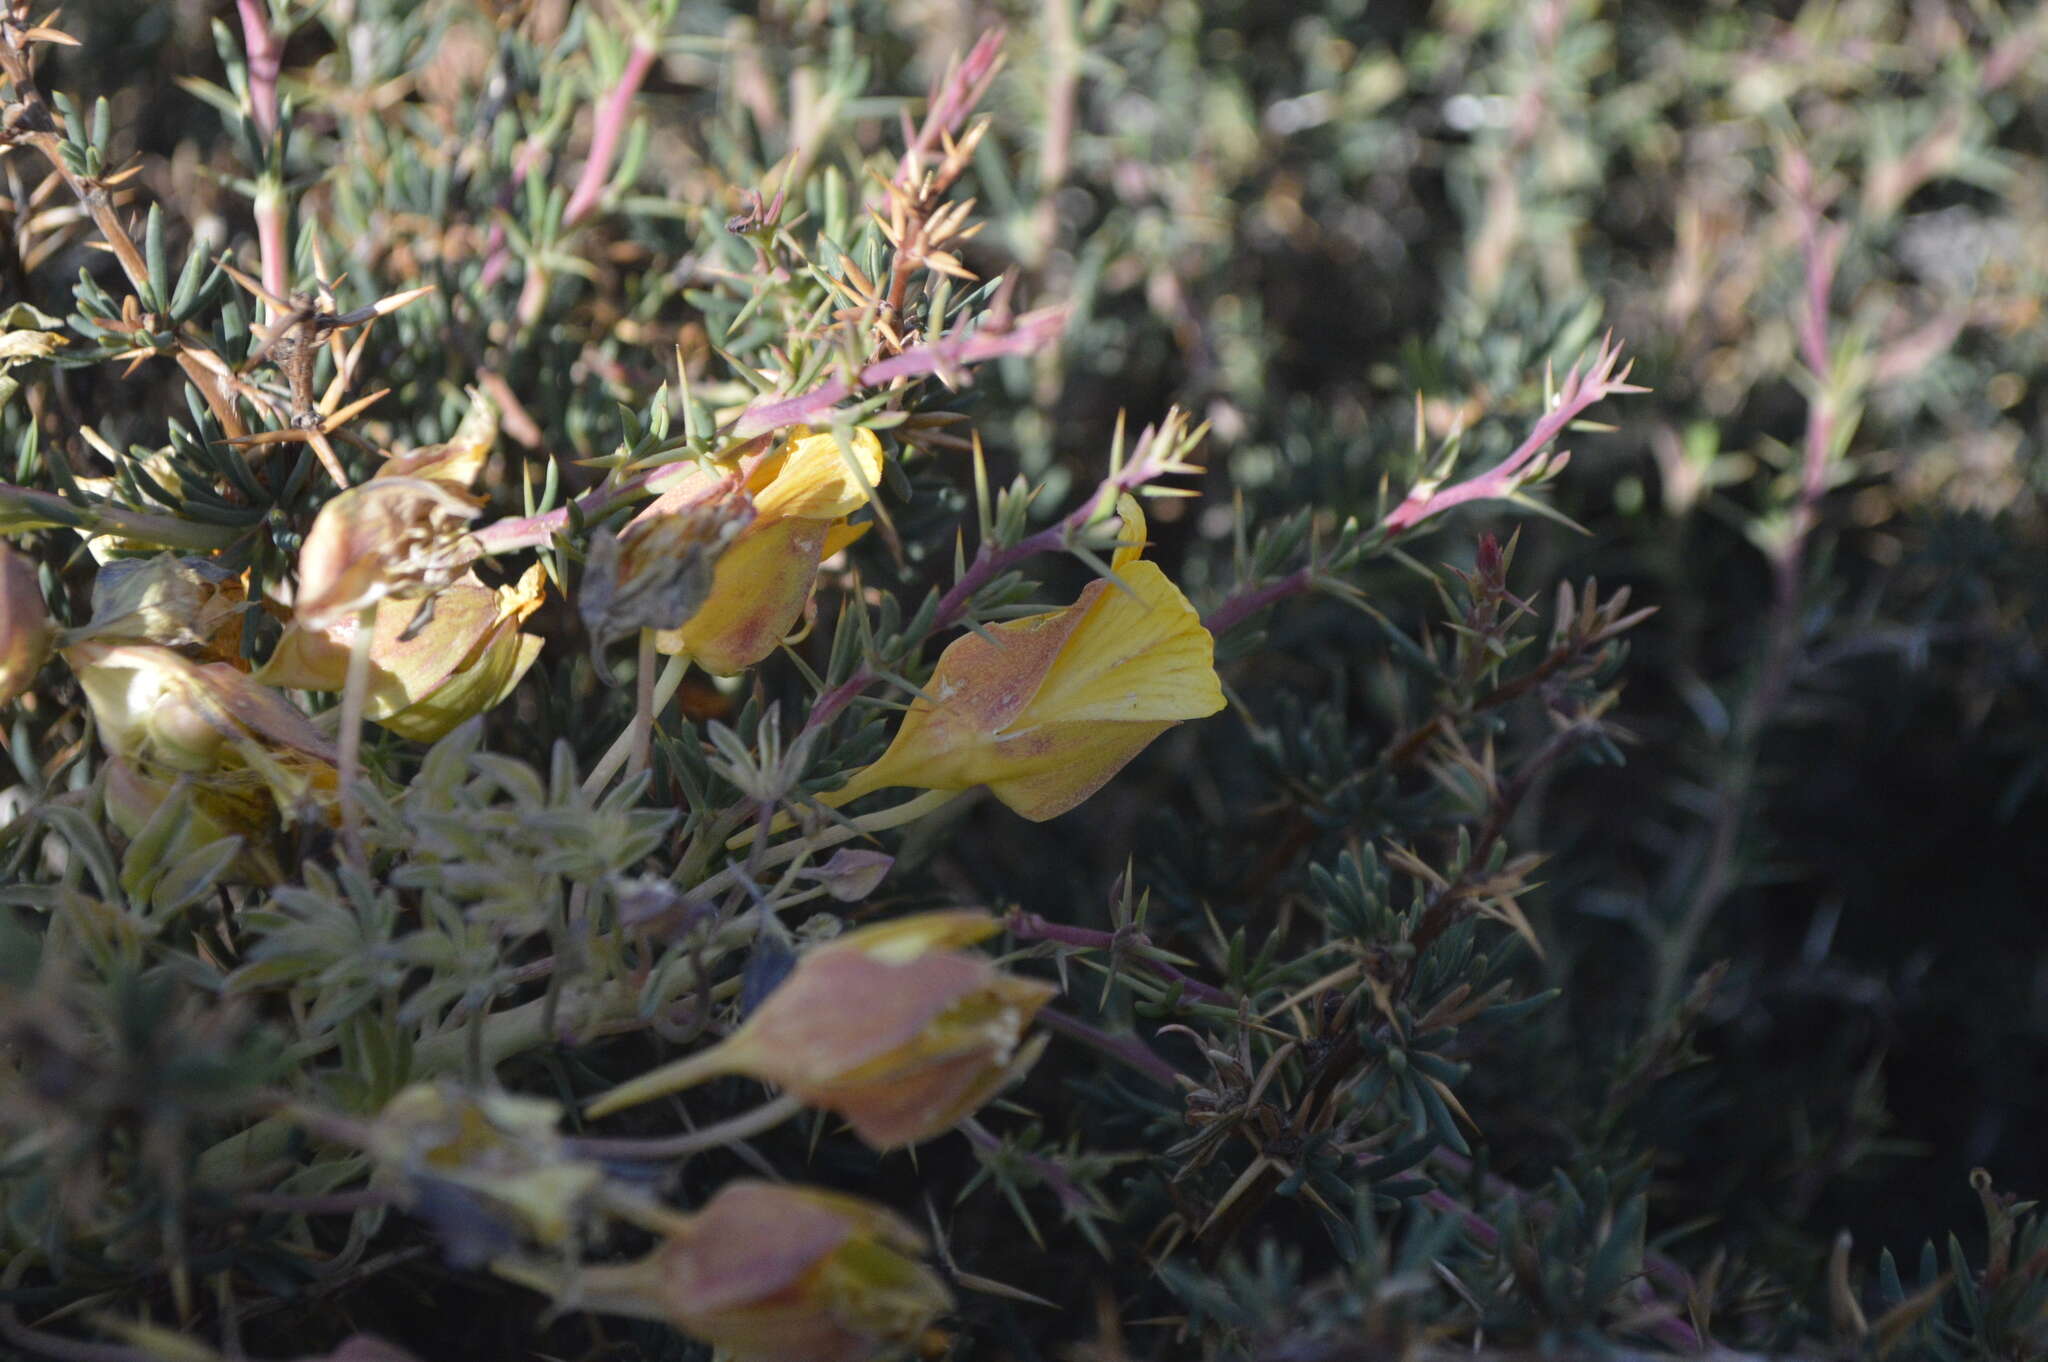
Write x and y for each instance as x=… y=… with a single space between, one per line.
x=1130 y=540
x=1054 y=767
x=402 y=670
x=1140 y=655
x=818 y=479
x=906 y=938
x=841 y=536
x=482 y=685
x=758 y=590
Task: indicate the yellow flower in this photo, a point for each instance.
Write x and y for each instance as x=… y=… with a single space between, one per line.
x=802 y=493
x=1044 y=710
x=656 y=572
x=466 y=658
x=892 y=1027
x=777 y=1273
x=26 y=636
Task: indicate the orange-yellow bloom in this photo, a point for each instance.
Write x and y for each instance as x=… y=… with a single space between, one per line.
x=802 y=494
x=466 y=659
x=1044 y=710
x=777 y=1273
x=893 y=1027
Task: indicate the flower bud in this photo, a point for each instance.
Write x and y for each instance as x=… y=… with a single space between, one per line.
x=1044 y=710
x=464 y=660
x=26 y=635
x=781 y=1274
x=400 y=537
x=891 y=1027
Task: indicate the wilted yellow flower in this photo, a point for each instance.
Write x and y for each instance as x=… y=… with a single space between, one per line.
x=165 y=714
x=465 y=659
x=779 y=1273
x=26 y=635
x=504 y=1149
x=398 y=536
x=186 y=603
x=458 y=460
x=222 y=804
x=892 y=1027
x=657 y=571
x=1044 y=710
x=40 y=336
x=802 y=494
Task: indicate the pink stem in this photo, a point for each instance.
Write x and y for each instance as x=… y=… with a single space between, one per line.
x=266 y=59
x=270 y=244
x=1822 y=250
x=1581 y=390
x=963 y=88
x=612 y=116
x=1029 y=332
x=497 y=252
x=1031 y=927
x=1244 y=604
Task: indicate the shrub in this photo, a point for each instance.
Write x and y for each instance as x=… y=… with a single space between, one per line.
x=611 y=624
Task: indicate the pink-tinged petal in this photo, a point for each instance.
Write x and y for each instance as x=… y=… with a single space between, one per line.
x=758 y=591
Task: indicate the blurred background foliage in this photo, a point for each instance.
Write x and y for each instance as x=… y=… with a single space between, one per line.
x=1314 y=225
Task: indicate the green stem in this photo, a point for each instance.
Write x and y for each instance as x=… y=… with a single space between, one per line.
x=354 y=696
x=653 y=698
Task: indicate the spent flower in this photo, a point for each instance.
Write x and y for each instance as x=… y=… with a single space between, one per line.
x=424 y=677
x=893 y=1027
x=802 y=493
x=397 y=537
x=498 y=1147
x=26 y=635
x=774 y=1273
x=657 y=571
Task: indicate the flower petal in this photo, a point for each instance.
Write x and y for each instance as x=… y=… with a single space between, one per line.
x=1140 y=655
x=818 y=479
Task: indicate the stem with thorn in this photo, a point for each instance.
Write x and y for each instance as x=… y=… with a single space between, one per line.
x=38 y=128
